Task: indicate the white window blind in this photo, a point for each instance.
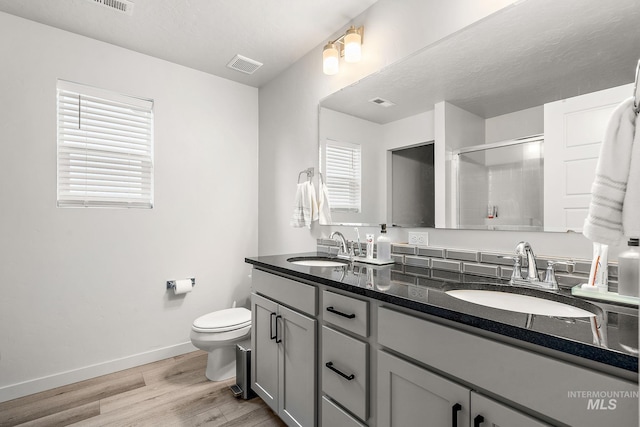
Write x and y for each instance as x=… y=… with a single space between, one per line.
x=105 y=148
x=342 y=176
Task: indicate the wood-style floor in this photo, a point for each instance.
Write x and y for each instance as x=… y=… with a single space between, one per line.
x=171 y=392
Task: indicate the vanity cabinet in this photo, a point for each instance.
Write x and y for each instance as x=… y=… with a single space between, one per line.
x=545 y=386
x=390 y=365
x=283 y=340
x=409 y=395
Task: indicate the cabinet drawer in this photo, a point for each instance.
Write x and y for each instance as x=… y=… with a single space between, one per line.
x=346 y=378
x=333 y=416
x=346 y=312
x=298 y=295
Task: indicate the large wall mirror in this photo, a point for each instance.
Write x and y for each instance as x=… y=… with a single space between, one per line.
x=513 y=108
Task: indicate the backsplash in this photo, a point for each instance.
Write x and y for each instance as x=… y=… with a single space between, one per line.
x=479 y=263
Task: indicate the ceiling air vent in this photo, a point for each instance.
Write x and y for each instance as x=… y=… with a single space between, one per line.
x=244 y=64
x=124 y=6
x=382 y=102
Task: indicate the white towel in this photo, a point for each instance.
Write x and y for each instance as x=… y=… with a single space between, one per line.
x=313 y=202
x=324 y=209
x=604 y=224
x=631 y=206
x=305 y=208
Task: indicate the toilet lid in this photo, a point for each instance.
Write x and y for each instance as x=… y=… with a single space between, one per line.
x=228 y=319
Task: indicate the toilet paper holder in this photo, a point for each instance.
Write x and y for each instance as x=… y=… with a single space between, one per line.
x=172 y=283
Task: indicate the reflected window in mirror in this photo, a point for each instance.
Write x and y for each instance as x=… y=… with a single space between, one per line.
x=343 y=162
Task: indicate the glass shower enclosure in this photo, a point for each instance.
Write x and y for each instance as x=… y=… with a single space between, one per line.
x=500 y=186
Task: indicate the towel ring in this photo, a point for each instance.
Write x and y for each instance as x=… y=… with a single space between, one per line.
x=308 y=171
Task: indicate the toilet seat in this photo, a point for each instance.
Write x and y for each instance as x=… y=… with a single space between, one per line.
x=229 y=319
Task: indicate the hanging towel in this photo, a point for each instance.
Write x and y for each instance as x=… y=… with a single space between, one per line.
x=324 y=209
x=305 y=208
x=604 y=223
x=313 y=202
x=631 y=206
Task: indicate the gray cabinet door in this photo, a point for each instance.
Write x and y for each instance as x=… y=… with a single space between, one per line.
x=264 y=359
x=297 y=368
x=409 y=396
x=486 y=412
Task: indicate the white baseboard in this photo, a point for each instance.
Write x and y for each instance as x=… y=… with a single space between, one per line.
x=25 y=388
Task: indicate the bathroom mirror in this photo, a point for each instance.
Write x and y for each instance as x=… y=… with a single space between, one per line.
x=496 y=74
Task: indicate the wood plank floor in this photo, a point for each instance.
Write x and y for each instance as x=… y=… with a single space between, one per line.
x=171 y=392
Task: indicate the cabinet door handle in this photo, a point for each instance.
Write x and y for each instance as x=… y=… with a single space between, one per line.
x=278 y=340
x=339 y=313
x=271 y=335
x=479 y=419
x=454 y=414
x=337 y=371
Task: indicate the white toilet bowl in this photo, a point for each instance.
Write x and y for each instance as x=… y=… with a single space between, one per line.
x=217 y=333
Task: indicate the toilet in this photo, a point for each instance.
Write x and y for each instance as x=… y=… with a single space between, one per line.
x=217 y=333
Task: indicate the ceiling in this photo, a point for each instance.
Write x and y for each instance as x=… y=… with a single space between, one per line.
x=204 y=34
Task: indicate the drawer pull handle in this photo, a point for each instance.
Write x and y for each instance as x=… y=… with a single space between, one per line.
x=454 y=414
x=278 y=340
x=339 y=313
x=271 y=334
x=337 y=371
x=479 y=419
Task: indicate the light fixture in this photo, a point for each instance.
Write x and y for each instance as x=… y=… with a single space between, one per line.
x=352 y=45
x=348 y=45
x=330 y=59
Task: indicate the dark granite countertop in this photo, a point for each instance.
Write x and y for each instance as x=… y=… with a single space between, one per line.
x=424 y=290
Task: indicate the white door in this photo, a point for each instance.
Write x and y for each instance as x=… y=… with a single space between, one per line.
x=574 y=129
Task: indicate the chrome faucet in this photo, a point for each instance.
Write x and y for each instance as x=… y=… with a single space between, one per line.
x=524 y=249
x=343 y=251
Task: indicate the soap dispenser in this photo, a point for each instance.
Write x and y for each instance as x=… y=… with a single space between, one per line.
x=628 y=269
x=384 y=244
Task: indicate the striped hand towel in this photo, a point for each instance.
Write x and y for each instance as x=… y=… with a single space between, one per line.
x=604 y=222
x=305 y=209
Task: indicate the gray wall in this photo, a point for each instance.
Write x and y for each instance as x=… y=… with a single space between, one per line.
x=84 y=290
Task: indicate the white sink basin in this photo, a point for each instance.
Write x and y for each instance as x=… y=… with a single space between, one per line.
x=519 y=303
x=318 y=262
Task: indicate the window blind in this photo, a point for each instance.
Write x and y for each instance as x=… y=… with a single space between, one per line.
x=105 y=148
x=342 y=177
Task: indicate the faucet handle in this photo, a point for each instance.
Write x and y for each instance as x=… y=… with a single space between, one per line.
x=550 y=275
x=516 y=274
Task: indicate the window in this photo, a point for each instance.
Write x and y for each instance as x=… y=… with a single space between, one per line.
x=105 y=148
x=343 y=175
